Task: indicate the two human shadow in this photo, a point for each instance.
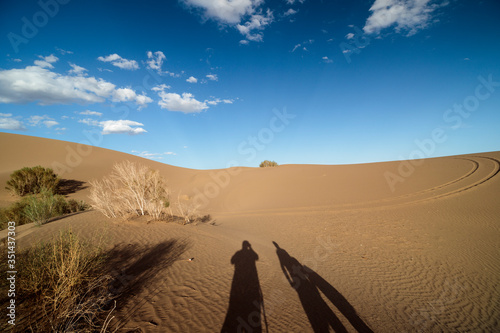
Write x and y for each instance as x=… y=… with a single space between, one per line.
x=246 y=303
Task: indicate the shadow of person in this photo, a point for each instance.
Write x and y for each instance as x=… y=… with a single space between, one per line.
x=317 y=310
x=245 y=299
x=339 y=301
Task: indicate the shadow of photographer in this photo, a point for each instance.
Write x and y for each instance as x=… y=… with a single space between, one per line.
x=308 y=285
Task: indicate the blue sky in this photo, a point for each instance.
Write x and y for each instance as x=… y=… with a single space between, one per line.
x=209 y=84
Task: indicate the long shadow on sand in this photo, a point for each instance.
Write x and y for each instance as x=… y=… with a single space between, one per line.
x=308 y=285
x=245 y=300
x=69 y=186
x=134 y=267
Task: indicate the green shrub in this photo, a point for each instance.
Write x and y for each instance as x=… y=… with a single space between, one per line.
x=14 y=212
x=32 y=181
x=267 y=163
x=41 y=207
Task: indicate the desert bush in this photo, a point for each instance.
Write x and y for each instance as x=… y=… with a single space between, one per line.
x=14 y=212
x=77 y=206
x=39 y=208
x=266 y=164
x=32 y=181
x=44 y=205
x=60 y=286
x=187 y=210
x=130 y=188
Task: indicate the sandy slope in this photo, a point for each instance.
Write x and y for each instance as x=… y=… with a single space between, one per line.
x=360 y=257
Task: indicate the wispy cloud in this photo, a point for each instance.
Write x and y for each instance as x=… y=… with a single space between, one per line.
x=212 y=77
x=406 y=15
x=42 y=120
x=192 y=79
x=327 y=60
x=77 y=70
x=90 y=113
x=120 y=62
x=46 y=62
x=153 y=156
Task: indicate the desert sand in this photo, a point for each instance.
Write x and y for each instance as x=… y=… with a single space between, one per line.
x=317 y=247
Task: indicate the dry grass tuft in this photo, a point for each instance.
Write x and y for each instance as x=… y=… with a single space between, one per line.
x=60 y=286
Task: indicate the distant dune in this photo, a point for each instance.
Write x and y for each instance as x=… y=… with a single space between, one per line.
x=388 y=247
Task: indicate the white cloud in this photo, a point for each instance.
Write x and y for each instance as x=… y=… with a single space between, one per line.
x=155 y=60
x=38 y=84
x=121 y=127
x=185 y=103
x=349 y=35
x=155 y=156
x=234 y=12
x=192 y=79
x=90 y=113
x=160 y=87
x=406 y=15
x=129 y=95
x=290 y=11
x=296 y=47
x=77 y=70
x=244 y=42
x=50 y=123
x=218 y=100
x=63 y=52
x=16 y=60
x=89 y=121
x=9 y=123
x=47 y=61
x=42 y=120
x=256 y=22
x=291 y=2
x=225 y=11
x=327 y=60
x=120 y=62
x=212 y=77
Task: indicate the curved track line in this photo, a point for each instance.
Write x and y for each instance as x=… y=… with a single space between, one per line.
x=392 y=201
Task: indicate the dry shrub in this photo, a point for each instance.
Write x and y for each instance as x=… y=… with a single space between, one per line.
x=60 y=285
x=187 y=210
x=130 y=188
x=266 y=164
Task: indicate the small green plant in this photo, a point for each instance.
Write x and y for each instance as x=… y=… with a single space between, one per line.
x=44 y=205
x=266 y=164
x=32 y=181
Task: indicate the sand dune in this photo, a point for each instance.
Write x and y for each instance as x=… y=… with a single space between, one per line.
x=349 y=253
